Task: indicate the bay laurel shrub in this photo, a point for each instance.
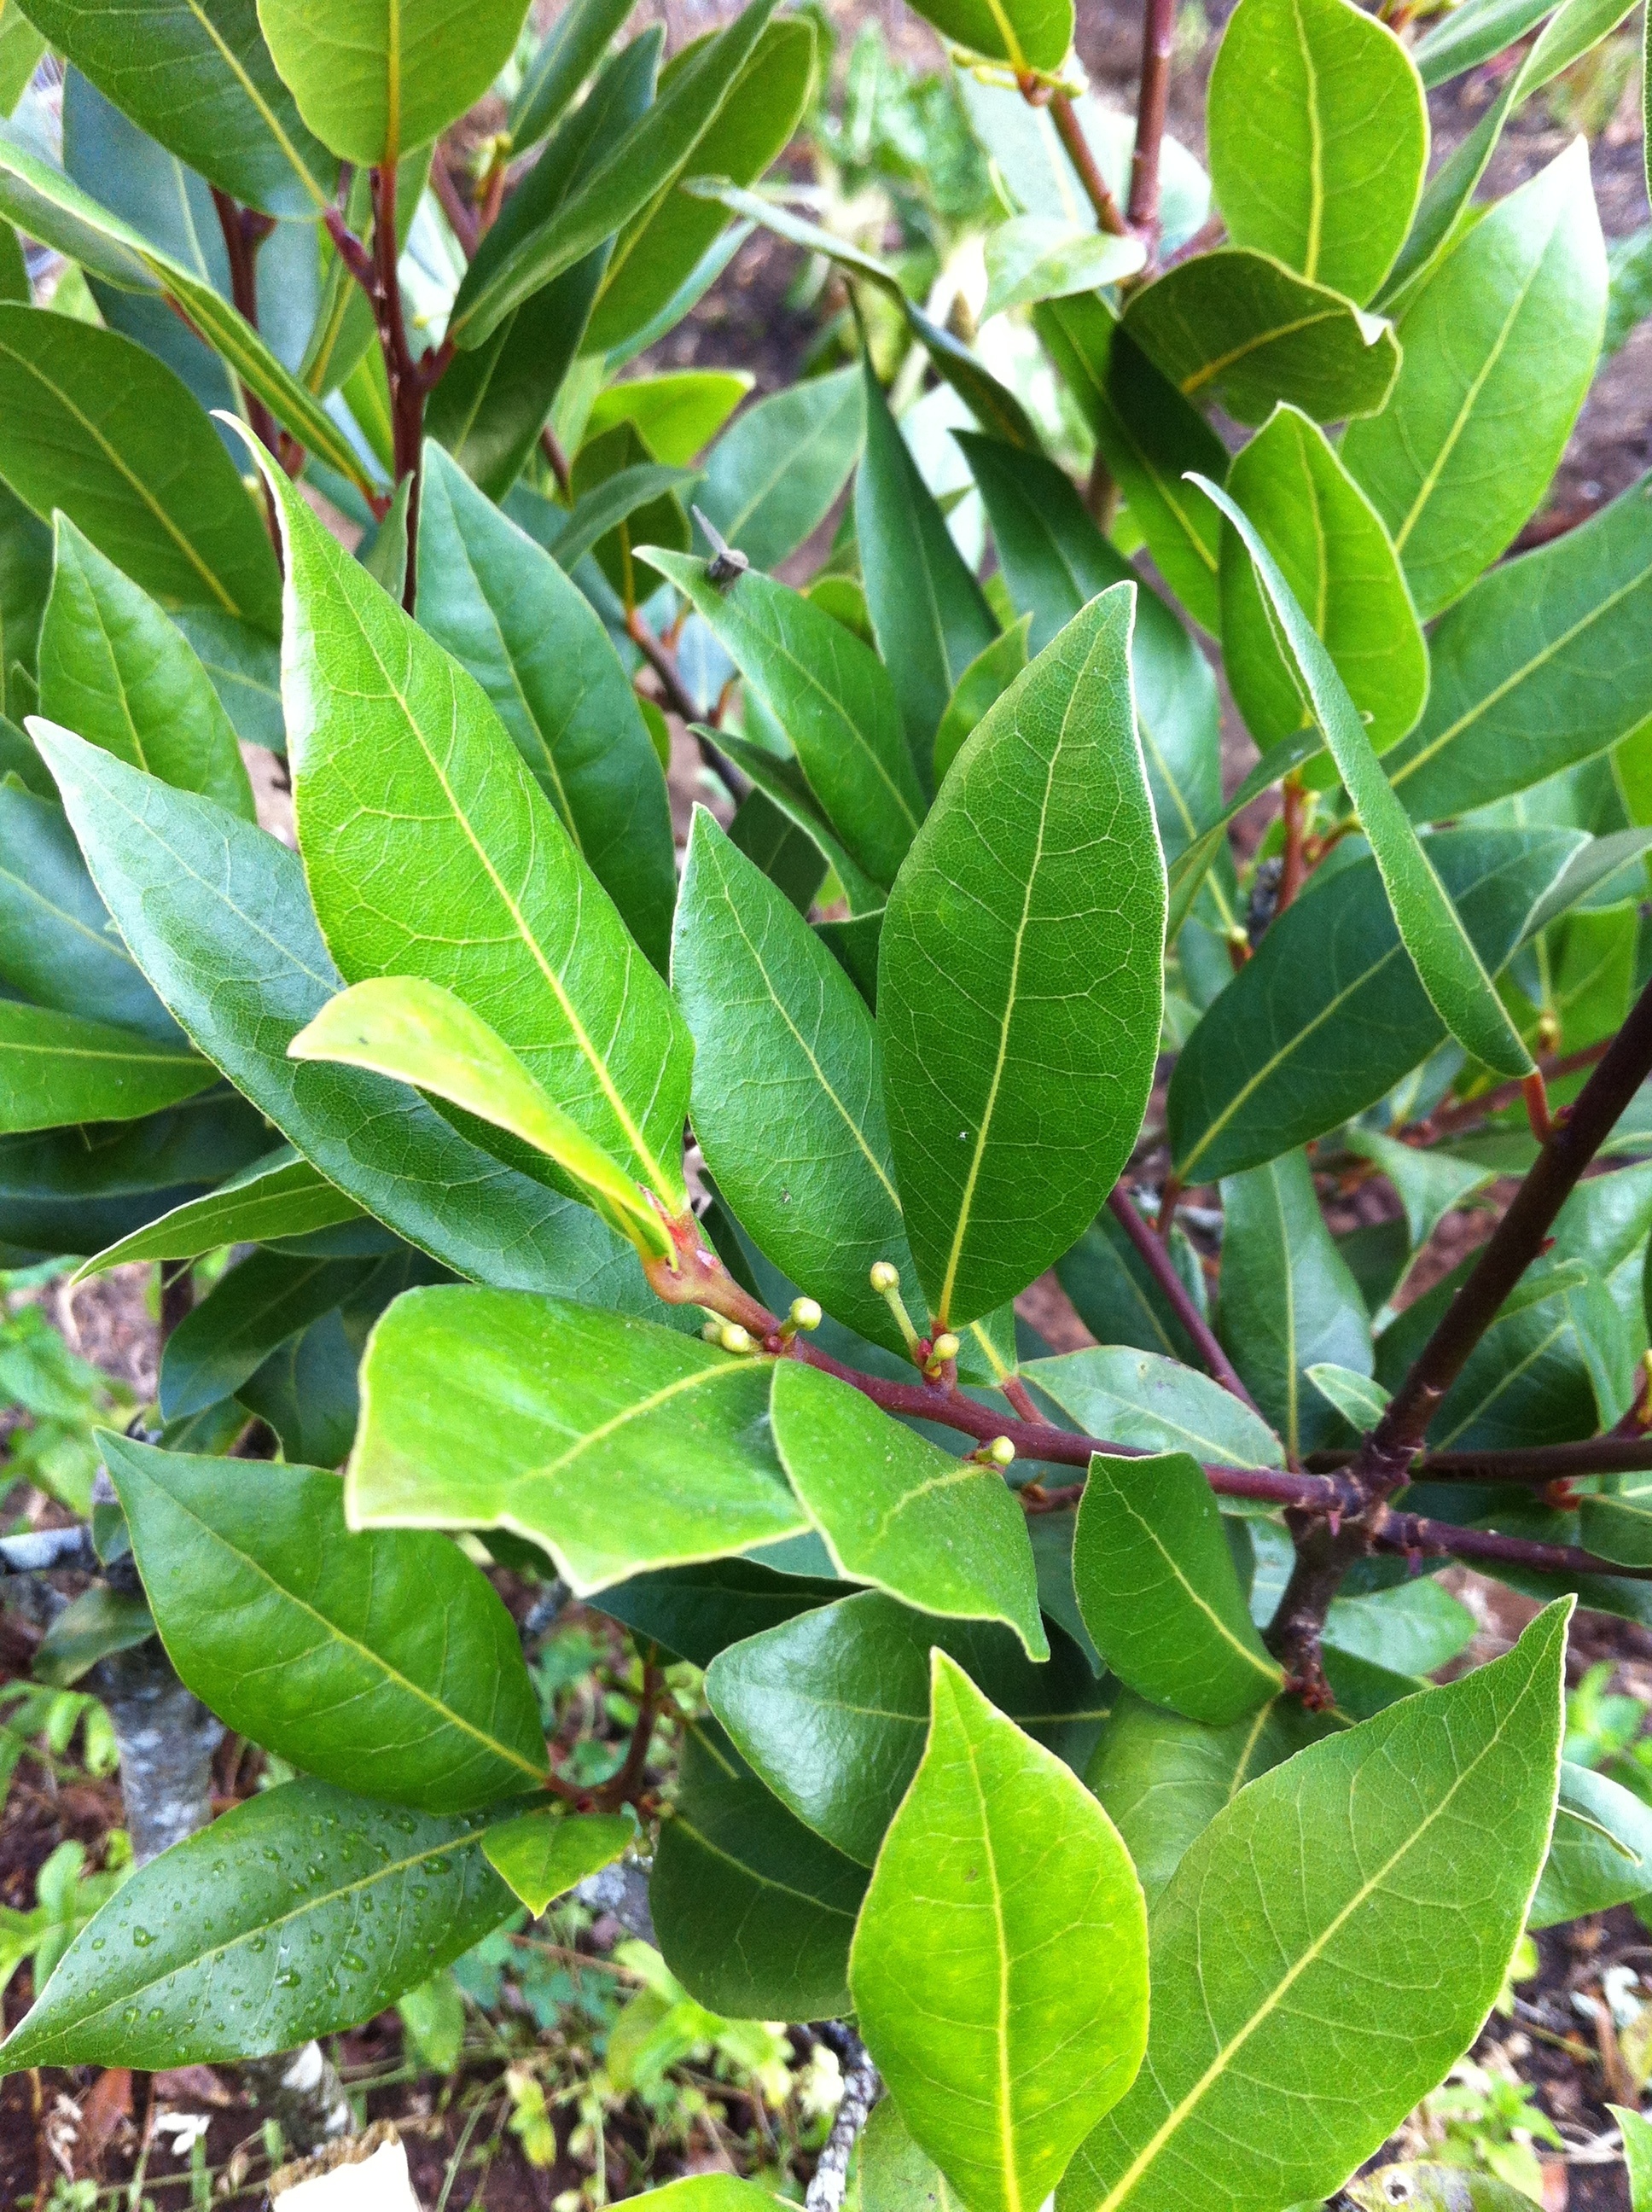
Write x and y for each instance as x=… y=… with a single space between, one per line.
x=1069 y=1729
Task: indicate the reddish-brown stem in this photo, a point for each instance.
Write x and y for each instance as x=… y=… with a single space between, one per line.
x=407 y=386
x=1449 y=1119
x=1152 y=108
x=245 y=230
x=461 y=216
x=1156 y=1255
x=620 y=1789
x=551 y=446
x=1411 y=1533
x=1535 y=1093
x=660 y=658
x=1290 y=874
x=1627 y=1449
x=1071 y=132
x=1020 y=1397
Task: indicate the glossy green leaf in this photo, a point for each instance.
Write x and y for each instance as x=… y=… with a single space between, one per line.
x=663 y=245
x=1506 y=328
x=1413 y=1626
x=1434 y=2189
x=1019 y=975
x=1140 y=1398
x=1159 y=1593
x=1032 y=34
x=221 y=922
x=614 y=1444
x=375 y=78
x=1327 y=1921
x=302 y=1911
x=1361 y=1401
x=419 y=1034
x=641 y=165
x=569 y=51
x=941 y=1534
x=771 y=477
x=58 y=1067
x=830 y=694
x=1334 y=553
x=1319 y=139
x=676 y=414
x=115 y=671
x=57 y=945
x=93 y=424
x=1034 y=256
x=1055 y=560
x=1452 y=972
x=306 y=1391
x=783 y=1043
x=926 y=608
x=1115 y=1296
x=382 y=1660
x=1429 y=1184
x=279 y=1195
x=257 y=1305
x=1474 y=33
x=781 y=783
x=1618 y=1528
x=1330 y=1013
x=755 y=1913
x=1537 y=667
x=61 y=1187
x=999 y=2059
x=1150 y=437
x=202 y=82
x=832 y=1707
x=244 y=668
x=1637 y=2154
x=21 y=49
x=91 y=1626
x=1161 y=1780
x=1288 y=1298
x=894 y=2173
x=1238 y=327
x=543 y=1855
x=489 y=898
x=981 y=685
x=696 y=1612
x=1601 y=1854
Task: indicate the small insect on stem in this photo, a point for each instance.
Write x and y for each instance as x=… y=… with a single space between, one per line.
x=726 y=562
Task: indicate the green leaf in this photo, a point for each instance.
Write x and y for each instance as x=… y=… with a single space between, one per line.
x=244 y=668
x=375 y=78
x=279 y=1195
x=755 y=1913
x=1028 y=34
x=308 y=1910
x=613 y=1445
x=306 y=1391
x=696 y=1612
x=1289 y=1301
x=62 y=1185
x=1238 y=327
x=1458 y=986
x=895 y=2175
x=1019 y=976
x=641 y=165
x=383 y=1659
x=221 y=918
x=1142 y=1399
x=999 y=1968
x=941 y=1534
x=1509 y=323
x=985 y=681
x=1330 y=1013
x=1323 y=171
x=57 y=945
x=93 y=424
x=419 y=1034
x=829 y=693
x=1055 y=560
x=663 y=245
x=115 y=671
x=926 y=608
x=675 y=414
x=1163 y=1779
x=1326 y=1911
x=1361 y=1401
x=1434 y=2189
x=1159 y=1593
x=1116 y=1297
x=543 y=1855
x=100 y=1620
x=569 y=51
x=202 y=83
x=1637 y=2154
x=1536 y=668
x=771 y=477
x=1335 y=554
x=249 y=1311
x=57 y=1068
x=1150 y=437
x=1429 y=1184
x=488 y=898
x=1036 y=257
x=1618 y=1528
x=781 y=783
x=1473 y=33
x=1601 y=1854
x=783 y=1041
x=1413 y=1626
x=832 y=1707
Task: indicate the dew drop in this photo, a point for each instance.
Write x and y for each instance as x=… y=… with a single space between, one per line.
x=290 y=1980
x=141 y=1938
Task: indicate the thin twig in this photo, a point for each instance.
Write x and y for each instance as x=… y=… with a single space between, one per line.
x=1152 y=108
x=861 y=2087
x=1627 y=1452
x=1446 y=1121
x=1411 y=1533
x=1071 y=132
x=245 y=230
x=461 y=217
x=551 y=446
x=1155 y=1253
